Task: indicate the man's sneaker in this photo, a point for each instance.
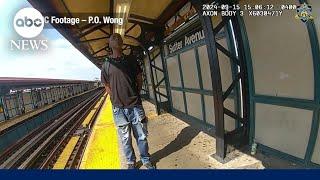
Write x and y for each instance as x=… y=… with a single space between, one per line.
x=131 y=166
x=149 y=166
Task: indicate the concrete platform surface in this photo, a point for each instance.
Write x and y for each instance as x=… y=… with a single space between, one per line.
x=179 y=144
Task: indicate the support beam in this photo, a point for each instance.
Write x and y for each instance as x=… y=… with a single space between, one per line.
x=142 y=18
x=315 y=47
x=159 y=83
x=157 y=68
x=233 y=115
x=100 y=57
x=161 y=94
x=92 y=40
x=166 y=77
x=152 y=82
x=105 y=32
x=145 y=79
x=222 y=24
x=216 y=80
x=231 y=87
x=244 y=59
x=131 y=37
x=126 y=47
x=128 y=30
x=104 y=48
x=155 y=56
x=94 y=28
x=64 y=30
x=227 y=53
x=170 y=11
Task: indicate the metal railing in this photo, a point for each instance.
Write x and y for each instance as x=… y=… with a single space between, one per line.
x=18 y=102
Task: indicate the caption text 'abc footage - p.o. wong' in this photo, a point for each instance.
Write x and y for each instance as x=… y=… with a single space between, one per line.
x=89 y=19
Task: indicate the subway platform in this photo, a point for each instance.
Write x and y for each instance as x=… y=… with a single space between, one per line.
x=174 y=144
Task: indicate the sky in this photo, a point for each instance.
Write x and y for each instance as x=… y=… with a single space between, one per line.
x=60 y=61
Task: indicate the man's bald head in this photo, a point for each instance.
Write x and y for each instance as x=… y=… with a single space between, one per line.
x=115 y=41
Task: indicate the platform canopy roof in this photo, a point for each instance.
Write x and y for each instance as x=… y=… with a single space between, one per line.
x=144 y=19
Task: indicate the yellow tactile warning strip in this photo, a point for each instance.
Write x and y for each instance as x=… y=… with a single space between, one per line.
x=102 y=151
x=64 y=156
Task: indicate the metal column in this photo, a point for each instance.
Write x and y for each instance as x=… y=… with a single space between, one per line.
x=238 y=136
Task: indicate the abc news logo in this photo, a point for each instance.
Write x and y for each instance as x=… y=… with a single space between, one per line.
x=28 y=23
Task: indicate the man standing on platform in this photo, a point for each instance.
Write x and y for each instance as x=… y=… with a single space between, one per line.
x=122 y=78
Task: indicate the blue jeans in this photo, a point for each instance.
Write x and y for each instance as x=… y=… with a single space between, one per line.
x=132 y=119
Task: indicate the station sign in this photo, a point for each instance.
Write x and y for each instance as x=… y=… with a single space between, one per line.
x=185 y=40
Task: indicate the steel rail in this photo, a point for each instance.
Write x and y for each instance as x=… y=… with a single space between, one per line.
x=39 y=136
x=65 y=129
x=74 y=161
x=53 y=155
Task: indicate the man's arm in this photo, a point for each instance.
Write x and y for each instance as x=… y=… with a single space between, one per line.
x=139 y=82
x=105 y=81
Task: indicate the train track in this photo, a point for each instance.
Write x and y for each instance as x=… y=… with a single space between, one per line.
x=41 y=148
x=74 y=159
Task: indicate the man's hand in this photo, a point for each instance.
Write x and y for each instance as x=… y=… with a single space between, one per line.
x=108 y=89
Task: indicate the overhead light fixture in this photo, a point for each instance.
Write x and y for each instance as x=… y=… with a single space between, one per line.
x=179 y=26
x=193 y=16
x=122 y=8
x=119 y=8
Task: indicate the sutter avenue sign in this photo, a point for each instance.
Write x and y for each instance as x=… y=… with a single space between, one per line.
x=186 y=40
